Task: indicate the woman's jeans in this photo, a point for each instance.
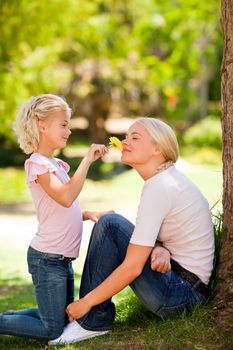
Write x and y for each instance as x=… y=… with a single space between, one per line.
x=54 y=287
x=164 y=294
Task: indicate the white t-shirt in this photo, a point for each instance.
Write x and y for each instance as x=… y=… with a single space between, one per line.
x=173 y=211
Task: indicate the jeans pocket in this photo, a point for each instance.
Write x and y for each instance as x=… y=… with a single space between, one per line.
x=34 y=269
x=170 y=311
x=178 y=296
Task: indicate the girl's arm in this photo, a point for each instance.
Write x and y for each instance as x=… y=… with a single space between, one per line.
x=95 y=215
x=122 y=276
x=65 y=194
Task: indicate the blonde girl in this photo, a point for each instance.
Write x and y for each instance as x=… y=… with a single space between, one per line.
x=42 y=126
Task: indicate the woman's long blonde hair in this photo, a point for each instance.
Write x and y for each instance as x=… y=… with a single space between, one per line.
x=163 y=135
x=37 y=108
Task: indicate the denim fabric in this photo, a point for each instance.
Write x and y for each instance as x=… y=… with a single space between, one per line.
x=53 y=280
x=163 y=294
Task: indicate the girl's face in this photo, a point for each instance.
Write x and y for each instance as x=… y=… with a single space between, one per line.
x=138 y=146
x=55 y=130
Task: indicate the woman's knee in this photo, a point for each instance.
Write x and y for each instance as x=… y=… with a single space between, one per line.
x=114 y=221
x=114 y=226
x=110 y=219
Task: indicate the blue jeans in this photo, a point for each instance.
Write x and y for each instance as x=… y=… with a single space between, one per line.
x=163 y=294
x=53 y=280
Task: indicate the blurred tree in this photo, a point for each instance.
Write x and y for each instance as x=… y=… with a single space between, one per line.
x=30 y=42
x=224 y=295
x=181 y=39
x=124 y=57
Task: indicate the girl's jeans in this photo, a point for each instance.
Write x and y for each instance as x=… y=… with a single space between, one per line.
x=54 y=287
x=164 y=294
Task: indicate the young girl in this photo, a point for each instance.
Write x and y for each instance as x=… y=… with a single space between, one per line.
x=42 y=126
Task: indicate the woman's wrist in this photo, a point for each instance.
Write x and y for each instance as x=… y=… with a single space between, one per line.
x=88 y=300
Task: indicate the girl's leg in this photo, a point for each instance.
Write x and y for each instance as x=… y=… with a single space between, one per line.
x=50 y=280
x=33 y=312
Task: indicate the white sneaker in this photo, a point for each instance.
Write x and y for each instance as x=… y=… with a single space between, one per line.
x=73 y=332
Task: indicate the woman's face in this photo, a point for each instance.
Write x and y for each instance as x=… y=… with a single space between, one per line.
x=138 y=146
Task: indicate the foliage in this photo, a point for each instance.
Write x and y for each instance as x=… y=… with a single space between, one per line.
x=133 y=58
x=205 y=133
x=217 y=219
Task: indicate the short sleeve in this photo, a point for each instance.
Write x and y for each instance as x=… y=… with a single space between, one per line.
x=63 y=164
x=38 y=165
x=153 y=208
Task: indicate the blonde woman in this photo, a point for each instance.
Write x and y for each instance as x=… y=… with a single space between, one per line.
x=173 y=216
x=42 y=126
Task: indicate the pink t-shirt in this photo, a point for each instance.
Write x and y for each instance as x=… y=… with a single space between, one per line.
x=59 y=228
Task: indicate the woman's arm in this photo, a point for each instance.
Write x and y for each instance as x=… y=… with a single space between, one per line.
x=122 y=276
x=160 y=259
x=65 y=194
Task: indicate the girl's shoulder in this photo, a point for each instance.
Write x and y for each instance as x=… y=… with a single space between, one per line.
x=37 y=164
x=41 y=160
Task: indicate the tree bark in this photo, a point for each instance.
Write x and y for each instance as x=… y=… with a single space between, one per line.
x=224 y=294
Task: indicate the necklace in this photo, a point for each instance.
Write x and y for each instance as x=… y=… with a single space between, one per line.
x=163 y=167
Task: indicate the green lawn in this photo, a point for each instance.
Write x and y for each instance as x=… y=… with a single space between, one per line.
x=122 y=190
x=135 y=327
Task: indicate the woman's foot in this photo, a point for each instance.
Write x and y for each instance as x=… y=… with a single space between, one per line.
x=73 y=332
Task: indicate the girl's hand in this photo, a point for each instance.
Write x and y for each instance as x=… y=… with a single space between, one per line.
x=95 y=152
x=95 y=215
x=160 y=260
x=77 y=309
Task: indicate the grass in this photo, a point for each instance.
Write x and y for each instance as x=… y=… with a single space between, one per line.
x=135 y=327
x=119 y=191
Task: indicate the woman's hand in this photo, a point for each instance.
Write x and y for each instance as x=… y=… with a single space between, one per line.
x=77 y=309
x=160 y=260
x=95 y=152
x=95 y=215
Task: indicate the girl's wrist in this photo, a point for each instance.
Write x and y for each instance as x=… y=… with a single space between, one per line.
x=85 y=215
x=86 y=161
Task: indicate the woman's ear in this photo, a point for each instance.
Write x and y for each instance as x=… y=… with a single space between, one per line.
x=157 y=150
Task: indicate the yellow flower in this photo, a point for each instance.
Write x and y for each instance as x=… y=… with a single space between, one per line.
x=115 y=142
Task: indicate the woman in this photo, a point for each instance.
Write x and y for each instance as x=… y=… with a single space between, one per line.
x=173 y=216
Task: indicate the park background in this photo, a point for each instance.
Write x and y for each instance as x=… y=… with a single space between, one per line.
x=112 y=61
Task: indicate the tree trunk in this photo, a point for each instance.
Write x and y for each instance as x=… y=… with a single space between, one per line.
x=224 y=294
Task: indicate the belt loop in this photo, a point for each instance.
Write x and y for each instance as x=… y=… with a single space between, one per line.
x=197 y=284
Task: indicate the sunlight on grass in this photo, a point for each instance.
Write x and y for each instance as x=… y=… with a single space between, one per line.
x=120 y=193
x=13 y=187
x=135 y=327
